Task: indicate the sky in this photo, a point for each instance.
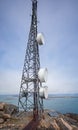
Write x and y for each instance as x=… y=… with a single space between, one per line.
x=58 y=21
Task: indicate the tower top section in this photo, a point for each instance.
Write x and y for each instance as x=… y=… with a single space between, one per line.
x=34 y=7
x=34 y=1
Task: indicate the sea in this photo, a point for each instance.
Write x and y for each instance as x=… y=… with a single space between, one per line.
x=63 y=103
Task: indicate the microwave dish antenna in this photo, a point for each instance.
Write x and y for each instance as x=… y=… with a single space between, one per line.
x=42 y=74
x=31 y=94
x=43 y=92
x=40 y=39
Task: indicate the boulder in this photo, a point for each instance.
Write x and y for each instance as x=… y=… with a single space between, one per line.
x=11 y=109
x=2 y=106
x=6 y=116
x=1 y=114
x=1 y=120
x=7 y=111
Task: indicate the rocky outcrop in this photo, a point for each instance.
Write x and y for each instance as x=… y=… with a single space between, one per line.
x=59 y=121
x=11 y=119
x=7 y=111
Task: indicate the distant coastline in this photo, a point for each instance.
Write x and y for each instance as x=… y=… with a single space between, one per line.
x=50 y=96
x=62 y=97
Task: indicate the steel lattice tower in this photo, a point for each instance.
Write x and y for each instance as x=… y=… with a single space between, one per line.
x=29 y=90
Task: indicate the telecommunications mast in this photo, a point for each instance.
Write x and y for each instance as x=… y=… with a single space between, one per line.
x=32 y=92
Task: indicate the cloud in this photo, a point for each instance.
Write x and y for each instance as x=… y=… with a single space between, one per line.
x=9 y=82
x=58 y=20
x=61 y=82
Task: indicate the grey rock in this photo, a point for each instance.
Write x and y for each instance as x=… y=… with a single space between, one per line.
x=11 y=109
x=1 y=120
x=2 y=106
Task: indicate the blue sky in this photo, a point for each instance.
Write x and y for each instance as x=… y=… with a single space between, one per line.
x=58 y=21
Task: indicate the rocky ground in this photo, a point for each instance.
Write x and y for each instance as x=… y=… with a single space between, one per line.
x=11 y=119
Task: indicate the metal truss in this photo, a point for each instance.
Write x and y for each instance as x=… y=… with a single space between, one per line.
x=29 y=90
